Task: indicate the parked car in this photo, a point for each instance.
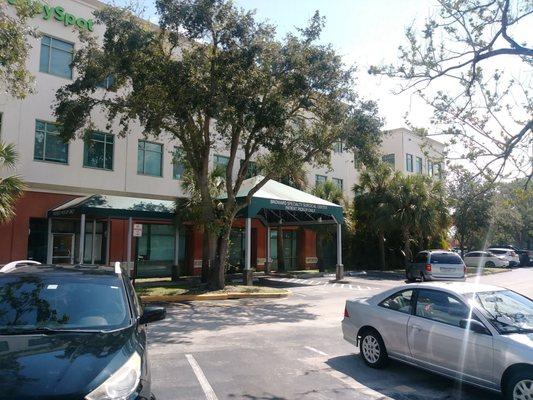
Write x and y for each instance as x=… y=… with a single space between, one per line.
x=72 y=332
x=478 y=334
x=436 y=264
x=485 y=259
x=510 y=255
x=525 y=256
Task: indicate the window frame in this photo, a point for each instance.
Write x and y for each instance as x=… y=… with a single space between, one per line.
x=338 y=147
x=430 y=168
x=409 y=165
x=85 y=144
x=144 y=158
x=419 y=163
x=413 y=302
x=44 y=159
x=320 y=181
x=336 y=182
x=52 y=38
x=216 y=164
x=391 y=162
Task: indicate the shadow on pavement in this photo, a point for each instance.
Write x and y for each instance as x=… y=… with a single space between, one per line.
x=403 y=382
x=185 y=319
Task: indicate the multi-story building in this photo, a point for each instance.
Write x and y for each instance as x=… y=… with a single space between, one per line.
x=132 y=175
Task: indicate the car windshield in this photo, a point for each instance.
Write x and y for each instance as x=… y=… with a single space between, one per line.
x=508 y=311
x=62 y=302
x=446 y=258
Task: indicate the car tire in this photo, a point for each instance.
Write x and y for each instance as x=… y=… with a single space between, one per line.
x=489 y=264
x=519 y=382
x=423 y=277
x=409 y=277
x=373 y=350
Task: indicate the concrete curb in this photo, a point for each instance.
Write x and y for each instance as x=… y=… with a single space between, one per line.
x=214 y=296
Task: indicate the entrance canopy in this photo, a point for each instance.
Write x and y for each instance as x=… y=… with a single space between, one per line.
x=276 y=202
x=115 y=206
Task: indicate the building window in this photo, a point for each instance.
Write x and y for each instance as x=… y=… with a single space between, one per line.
x=409 y=162
x=98 y=151
x=337 y=182
x=337 y=147
x=221 y=161
x=437 y=169
x=178 y=167
x=107 y=83
x=149 y=158
x=252 y=169
x=419 y=165
x=56 y=57
x=430 y=168
x=320 y=179
x=48 y=144
x=389 y=159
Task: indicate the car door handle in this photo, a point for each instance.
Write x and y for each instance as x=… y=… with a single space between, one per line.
x=416 y=327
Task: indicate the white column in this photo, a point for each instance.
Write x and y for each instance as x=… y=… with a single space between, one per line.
x=248 y=244
x=130 y=234
x=82 y=238
x=268 y=251
x=339 y=268
x=93 y=241
x=50 y=243
x=108 y=242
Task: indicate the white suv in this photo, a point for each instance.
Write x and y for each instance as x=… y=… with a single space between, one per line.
x=485 y=259
x=509 y=255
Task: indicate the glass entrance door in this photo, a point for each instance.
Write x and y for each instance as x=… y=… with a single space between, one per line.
x=289 y=248
x=63 y=248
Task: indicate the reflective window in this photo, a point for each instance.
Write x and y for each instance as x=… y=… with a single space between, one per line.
x=252 y=170
x=389 y=159
x=98 y=150
x=178 y=167
x=320 y=179
x=430 y=168
x=445 y=258
x=337 y=182
x=56 y=57
x=401 y=302
x=150 y=158
x=421 y=258
x=409 y=162
x=440 y=306
x=337 y=147
x=48 y=145
x=221 y=161
x=418 y=165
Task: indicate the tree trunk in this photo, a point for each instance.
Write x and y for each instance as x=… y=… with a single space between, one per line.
x=381 y=244
x=281 y=252
x=406 y=247
x=205 y=257
x=217 y=279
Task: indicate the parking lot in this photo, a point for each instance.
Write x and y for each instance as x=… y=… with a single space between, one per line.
x=289 y=348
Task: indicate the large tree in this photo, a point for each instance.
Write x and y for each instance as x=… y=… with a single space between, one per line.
x=472 y=63
x=211 y=75
x=11 y=186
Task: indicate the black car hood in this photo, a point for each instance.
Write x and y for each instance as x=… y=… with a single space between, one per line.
x=60 y=366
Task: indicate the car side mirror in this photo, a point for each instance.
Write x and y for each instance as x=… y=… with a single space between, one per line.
x=475 y=326
x=152 y=314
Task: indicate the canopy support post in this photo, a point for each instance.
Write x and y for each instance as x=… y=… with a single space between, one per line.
x=50 y=243
x=82 y=239
x=268 y=252
x=130 y=237
x=175 y=265
x=93 y=249
x=108 y=242
x=339 y=273
x=248 y=253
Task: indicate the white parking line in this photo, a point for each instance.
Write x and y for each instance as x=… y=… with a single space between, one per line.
x=206 y=387
x=316 y=351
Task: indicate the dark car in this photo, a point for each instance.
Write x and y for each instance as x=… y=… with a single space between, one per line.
x=75 y=332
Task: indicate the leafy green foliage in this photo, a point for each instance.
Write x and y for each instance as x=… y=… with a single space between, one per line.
x=11 y=186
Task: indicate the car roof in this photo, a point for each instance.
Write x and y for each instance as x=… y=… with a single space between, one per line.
x=48 y=269
x=500 y=248
x=440 y=251
x=458 y=287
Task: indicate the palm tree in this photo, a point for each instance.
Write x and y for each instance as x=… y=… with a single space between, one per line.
x=373 y=200
x=11 y=186
x=332 y=193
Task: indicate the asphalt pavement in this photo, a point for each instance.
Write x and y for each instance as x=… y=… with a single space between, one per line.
x=290 y=348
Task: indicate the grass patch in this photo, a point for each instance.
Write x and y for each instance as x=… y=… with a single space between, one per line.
x=173 y=289
x=485 y=271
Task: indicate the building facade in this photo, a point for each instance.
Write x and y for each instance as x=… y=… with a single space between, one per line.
x=125 y=168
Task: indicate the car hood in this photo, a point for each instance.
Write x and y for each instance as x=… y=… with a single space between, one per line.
x=60 y=366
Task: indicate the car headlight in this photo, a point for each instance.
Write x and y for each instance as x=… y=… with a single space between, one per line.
x=121 y=384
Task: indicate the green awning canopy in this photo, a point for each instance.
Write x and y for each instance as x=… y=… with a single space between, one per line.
x=100 y=205
x=276 y=202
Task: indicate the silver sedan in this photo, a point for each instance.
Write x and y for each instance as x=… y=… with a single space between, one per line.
x=479 y=334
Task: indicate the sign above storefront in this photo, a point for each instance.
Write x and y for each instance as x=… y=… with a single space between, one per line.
x=59 y=14
x=137 y=230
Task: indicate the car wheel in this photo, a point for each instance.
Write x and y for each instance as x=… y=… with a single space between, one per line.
x=519 y=386
x=373 y=350
x=409 y=277
x=423 y=277
x=489 y=264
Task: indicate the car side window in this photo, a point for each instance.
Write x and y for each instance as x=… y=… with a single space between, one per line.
x=421 y=258
x=400 y=301
x=440 y=306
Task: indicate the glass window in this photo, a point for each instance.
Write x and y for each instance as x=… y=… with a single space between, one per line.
x=178 y=168
x=430 y=168
x=401 y=302
x=98 y=150
x=221 y=161
x=337 y=182
x=56 y=57
x=62 y=302
x=253 y=169
x=150 y=158
x=409 y=162
x=320 y=179
x=418 y=165
x=337 y=147
x=389 y=159
x=421 y=258
x=107 y=83
x=48 y=144
x=440 y=306
x=445 y=258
